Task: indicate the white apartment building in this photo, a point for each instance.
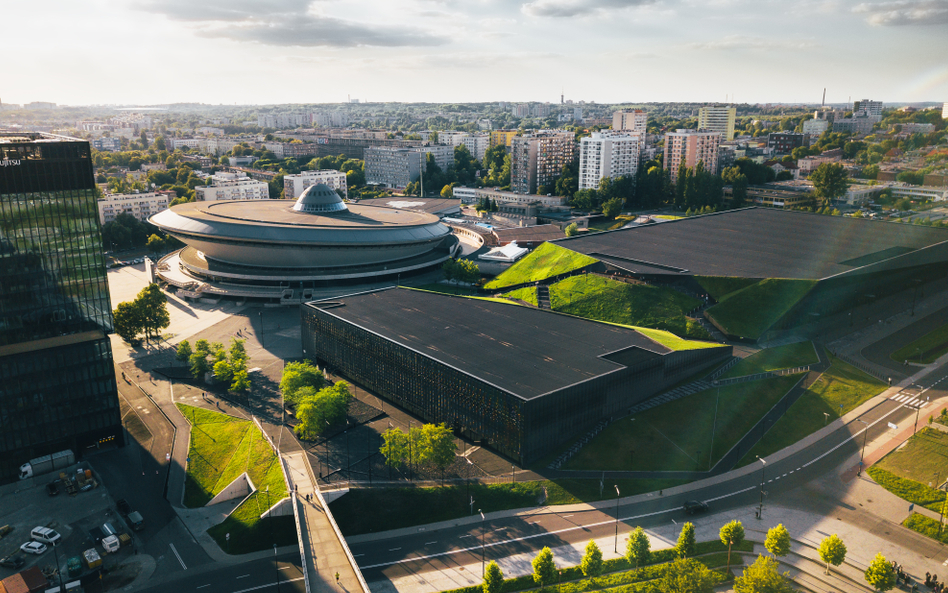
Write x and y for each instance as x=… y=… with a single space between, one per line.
x=690 y=147
x=232 y=186
x=294 y=185
x=476 y=144
x=718 y=119
x=392 y=167
x=633 y=121
x=815 y=127
x=140 y=205
x=443 y=155
x=869 y=107
x=176 y=143
x=608 y=155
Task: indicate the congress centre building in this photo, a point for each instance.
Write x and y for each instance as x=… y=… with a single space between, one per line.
x=291 y=252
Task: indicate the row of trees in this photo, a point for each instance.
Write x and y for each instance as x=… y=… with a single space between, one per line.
x=227 y=366
x=317 y=404
x=461 y=270
x=430 y=445
x=148 y=313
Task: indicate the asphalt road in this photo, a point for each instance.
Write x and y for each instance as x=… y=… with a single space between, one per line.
x=256 y=575
x=434 y=550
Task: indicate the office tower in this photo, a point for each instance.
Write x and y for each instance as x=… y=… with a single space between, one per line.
x=57 y=380
x=608 y=155
x=718 y=119
x=690 y=147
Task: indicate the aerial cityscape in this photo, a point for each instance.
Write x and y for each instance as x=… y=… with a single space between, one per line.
x=279 y=314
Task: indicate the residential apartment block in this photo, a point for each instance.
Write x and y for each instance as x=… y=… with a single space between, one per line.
x=107 y=144
x=470 y=195
x=232 y=186
x=690 y=147
x=139 y=205
x=785 y=142
x=634 y=121
x=814 y=128
x=294 y=185
x=718 y=119
x=539 y=158
x=498 y=137
x=608 y=155
x=868 y=107
x=392 y=167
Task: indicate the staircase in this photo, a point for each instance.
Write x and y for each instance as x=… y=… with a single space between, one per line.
x=543 y=297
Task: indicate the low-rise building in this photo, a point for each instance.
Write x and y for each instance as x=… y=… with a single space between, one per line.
x=785 y=142
x=294 y=185
x=232 y=186
x=107 y=144
x=140 y=205
x=471 y=195
x=814 y=128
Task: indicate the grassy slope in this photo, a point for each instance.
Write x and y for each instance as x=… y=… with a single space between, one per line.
x=527 y=294
x=595 y=297
x=931 y=346
x=841 y=384
x=670 y=340
x=670 y=436
x=749 y=312
x=721 y=286
x=214 y=440
x=546 y=260
x=772 y=359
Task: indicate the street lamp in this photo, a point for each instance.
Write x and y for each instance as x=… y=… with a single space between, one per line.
x=616 y=548
x=410 y=460
x=760 y=508
x=276 y=565
x=917 y=410
x=483 y=527
x=470 y=467
x=865 y=437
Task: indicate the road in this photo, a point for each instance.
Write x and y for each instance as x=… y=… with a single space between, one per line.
x=256 y=575
x=434 y=550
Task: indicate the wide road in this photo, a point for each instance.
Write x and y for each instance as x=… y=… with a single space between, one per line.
x=256 y=575
x=434 y=550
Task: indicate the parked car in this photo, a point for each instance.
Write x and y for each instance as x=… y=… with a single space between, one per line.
x=695 y=506
x=13 y=562
x=46 y=535
x=52 y=488
x=33 y=548
x=123 y=507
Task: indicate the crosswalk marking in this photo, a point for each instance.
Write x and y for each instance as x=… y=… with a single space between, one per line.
x=909 y=400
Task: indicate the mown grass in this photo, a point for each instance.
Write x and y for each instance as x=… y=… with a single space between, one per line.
x=751 y=311
x=921 y=458
x=527 y=294
x=670 y=340
x=927 y=527
x=545 y=261
x=909 y=490
x=926 y=349
x=839 y=390
x=678 y=435
x=640 y=305
x=772 y=359
x=222 y=448
x=367 y=510
x=721 y=286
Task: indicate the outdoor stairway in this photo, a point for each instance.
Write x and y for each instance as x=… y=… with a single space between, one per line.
x=677 y=393
x=543 y=297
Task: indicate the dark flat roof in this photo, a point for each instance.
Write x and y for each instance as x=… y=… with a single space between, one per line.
x=756 y=243
x=527 y=352
x=541 y=232
x=436 y=206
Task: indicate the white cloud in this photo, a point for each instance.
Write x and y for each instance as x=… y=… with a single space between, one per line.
x=744 y=42
x=905 y=12
x=567 y=8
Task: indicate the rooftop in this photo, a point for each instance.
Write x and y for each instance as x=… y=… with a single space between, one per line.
x=527 y=352
x=756 y=243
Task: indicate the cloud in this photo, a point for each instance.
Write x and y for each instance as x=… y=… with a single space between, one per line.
x=905 y=12
x=285 y=23
x=567 y=8
x=744 y=42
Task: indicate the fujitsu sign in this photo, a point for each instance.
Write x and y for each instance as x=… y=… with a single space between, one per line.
x=9 y=163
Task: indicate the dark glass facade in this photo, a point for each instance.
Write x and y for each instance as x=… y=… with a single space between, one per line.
x=57 y=381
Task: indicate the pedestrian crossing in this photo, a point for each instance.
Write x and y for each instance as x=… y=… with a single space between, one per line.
x=909 y=401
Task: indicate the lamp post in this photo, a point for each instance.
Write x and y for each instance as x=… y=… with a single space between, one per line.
x=862 y=454
x=917 y=411
x=483 y=527
x=276 y=565
x=616 y=547
x=410 y=460
x=760 y=508
x=470 y=467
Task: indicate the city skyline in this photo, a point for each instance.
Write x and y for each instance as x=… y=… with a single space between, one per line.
x=151 y=52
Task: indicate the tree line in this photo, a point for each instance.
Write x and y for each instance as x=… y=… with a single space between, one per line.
x=227 y=366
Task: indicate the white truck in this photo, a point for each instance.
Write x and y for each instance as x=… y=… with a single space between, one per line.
x=47 y=463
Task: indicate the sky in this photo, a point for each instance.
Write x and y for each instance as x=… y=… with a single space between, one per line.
x=151 y=52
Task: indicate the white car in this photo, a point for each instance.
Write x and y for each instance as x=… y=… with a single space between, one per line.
x=33 y=548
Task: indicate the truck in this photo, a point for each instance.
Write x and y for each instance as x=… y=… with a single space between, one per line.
x=135 y=520
x=47 y=463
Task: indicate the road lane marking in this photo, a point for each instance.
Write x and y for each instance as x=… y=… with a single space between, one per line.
x=268 y=585
x=288 y=568
x=178 y=556
x=429 y=543
x=567 y=516
x=546 y=533
x=243 y=576
x=354 y=556
x=394 y=549
x=202 y=586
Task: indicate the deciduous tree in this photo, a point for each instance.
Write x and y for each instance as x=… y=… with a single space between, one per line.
x=638 y=551
x=778 y=541
x=592 y=560
x=832 y=551
x=297 y=375
x=544 y=569
x=762 y=576
x=829 y=181
x=686 y=575
x=686 y=541
x=880 y=574
x=732 y=534
x=183 y=353
x=493 y=578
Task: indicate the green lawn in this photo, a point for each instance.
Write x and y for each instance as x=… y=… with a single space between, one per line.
x=546 y=260
x=772 y=359
x=527 y=294
x=640 y=305
x=840 y=385
x=926 y=349
x=751 y=311
x=222 y=448
x=366 y=510
x=678 y=435
x=911 y=471
x=670 y=340
x=721 y=286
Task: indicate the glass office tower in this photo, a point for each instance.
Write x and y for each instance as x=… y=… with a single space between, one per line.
x=57 y=380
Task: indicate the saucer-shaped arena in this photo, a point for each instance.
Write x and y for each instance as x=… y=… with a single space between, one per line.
x=317 y=241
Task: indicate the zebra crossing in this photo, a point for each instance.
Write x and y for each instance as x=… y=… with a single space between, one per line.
x=909 y=401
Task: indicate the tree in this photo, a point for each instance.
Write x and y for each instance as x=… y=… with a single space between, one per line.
x=880 y=574
x=394 y=447
x=493 y=578
x=154 y=309
x=592 y=560
x=433 y=445
x=447 y=192
x=732 y=534
x=128 y=321
x=223 y=372
x=198 y=359
x=637 y=551
x=297 y=375
x=829 y=181
x=686 y=575
x=155 y=243
x=184 y=351
x=762 y=576
x=832 y=551
x=686 y=541
x=326 y=407
x=778 y=541
x=544 y=570
x=571 y=229
x=612 y=208
x=241 y=381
